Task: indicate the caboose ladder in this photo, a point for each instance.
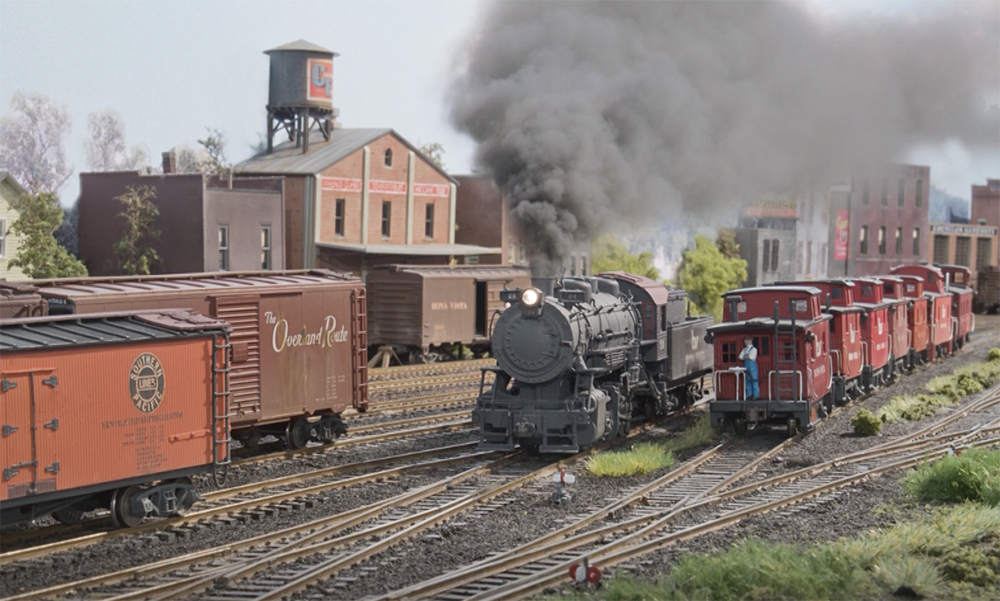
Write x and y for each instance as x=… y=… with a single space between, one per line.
x=785 y=358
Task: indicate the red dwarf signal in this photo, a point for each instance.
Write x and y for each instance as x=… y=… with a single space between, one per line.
x=584 y=573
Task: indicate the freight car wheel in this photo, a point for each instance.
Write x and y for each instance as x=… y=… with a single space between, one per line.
x=793 y=426
x=121 y=515
x=297 y=433
x=68 y=515
x=740 y=425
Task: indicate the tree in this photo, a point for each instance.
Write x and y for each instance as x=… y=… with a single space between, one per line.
x=610 y=254
x=135 y=255
x=68 y=232
x=39 y=255
x=434 y=152
x=706 y=275
x=105 y=147
x=215 y=161
x=31 y=143
x=726 y=241
x=189 y=160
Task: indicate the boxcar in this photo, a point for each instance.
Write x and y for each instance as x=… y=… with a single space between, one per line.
x=110 y=410
x=20 y=300
x=958 y=281
x=941 y=326
x=299 y=347
x=426 y=313
x=900 y=350
x=792 y=337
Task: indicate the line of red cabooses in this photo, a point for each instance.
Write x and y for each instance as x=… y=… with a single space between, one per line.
x=865 y=332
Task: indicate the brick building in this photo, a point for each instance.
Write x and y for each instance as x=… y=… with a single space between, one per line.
x=878 y=220
x=205 y=223
x=975 y=244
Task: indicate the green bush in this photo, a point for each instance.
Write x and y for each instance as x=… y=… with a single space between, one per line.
x=972 y=476
x=866 y=423
x=994 y=355
x=642 y=458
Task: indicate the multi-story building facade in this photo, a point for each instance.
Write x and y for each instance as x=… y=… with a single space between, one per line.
x=767 y=238
x=975 y=244
x=9 y=242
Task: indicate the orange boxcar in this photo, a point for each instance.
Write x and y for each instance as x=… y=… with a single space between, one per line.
x=110 y=410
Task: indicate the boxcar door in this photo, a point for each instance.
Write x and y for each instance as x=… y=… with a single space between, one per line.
x=26 y=403
x=242 y=313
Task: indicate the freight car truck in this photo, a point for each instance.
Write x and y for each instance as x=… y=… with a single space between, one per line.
x=299 y=341
x=110 y=411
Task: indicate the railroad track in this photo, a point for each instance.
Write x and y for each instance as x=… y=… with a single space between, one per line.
x=380 y=374
x=651 y=512
x=248 y=502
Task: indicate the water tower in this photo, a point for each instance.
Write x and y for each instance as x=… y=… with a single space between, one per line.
x=300 y=95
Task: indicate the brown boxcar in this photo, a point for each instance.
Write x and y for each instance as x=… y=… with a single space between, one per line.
x=426 y=313
x=299 y=347
x=97 y=408
x=20 y=300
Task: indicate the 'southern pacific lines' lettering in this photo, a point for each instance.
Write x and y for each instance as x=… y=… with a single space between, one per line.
x=327 y=335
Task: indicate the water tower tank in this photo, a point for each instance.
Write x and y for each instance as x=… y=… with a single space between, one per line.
x=301 y=76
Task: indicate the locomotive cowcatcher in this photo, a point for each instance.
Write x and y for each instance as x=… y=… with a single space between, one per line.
x=792 y=336
x=581 y=362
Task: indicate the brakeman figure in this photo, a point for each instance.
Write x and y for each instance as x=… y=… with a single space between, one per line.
x=749 y=357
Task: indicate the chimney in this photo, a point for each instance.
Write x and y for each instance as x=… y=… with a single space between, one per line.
x=169 y=162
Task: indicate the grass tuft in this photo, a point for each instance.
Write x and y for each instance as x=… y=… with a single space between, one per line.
x=866 y=423
x=972 y=476
x=647 y=457
x=943 y=391
x=994 y=355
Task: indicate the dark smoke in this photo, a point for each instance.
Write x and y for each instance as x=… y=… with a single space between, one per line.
x=596 y=115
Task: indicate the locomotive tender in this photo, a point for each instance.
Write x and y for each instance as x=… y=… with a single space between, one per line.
x=581 y=362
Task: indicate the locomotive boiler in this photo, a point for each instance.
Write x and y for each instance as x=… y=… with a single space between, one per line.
x=581 y=361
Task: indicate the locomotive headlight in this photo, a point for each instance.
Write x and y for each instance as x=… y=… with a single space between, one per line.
x=530 y=297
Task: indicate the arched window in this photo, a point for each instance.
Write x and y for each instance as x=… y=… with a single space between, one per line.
x=388 y=157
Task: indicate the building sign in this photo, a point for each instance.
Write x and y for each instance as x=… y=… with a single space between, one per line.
x=769 y=207
x=965 y=230
x=320 y=84
x=347 y=184
x=841 y=235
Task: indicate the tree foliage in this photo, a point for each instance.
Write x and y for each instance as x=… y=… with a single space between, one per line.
x=135 y=254
x=39 y=255
x=706 y=274
x=610 y=254
x=105 y=148
x=214 y=145
x=434 y=152
x=31 y=143
x=726 y=241
x=68 y=232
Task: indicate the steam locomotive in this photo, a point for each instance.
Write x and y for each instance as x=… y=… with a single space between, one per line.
x=583 y=359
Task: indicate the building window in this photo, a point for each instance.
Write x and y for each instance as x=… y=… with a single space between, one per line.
x=572 y=265
x=3 y=237
x=885 y=192
x=524 y=255
x=338 y=217
x=899 y=241
x=386 y=218
x=388 y=157
x=963 y=250
x=920 y=193
x=941 y=249
x=223 y=247
x=868 y=190
x=583 y=266
x=472 y=260
x=916 y=241
x=511 y=254
x=984 y=250
x=774 y=255
x=766 y=263
x=429 y=221
x=902 y=189
x=881 y=240
x=265 y=247
x=981 y=221
x=863 y=239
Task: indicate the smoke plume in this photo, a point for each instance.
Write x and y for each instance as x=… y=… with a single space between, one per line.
x=596 y=115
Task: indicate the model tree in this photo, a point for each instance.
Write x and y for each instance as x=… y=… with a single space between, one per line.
x=39 y=255
x=610 y=254
x=706 y=274
x=135 y=253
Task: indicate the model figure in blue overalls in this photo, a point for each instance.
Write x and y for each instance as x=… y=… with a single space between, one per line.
x=749 y=357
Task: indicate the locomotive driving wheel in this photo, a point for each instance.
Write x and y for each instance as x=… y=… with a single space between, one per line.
x=121 y=513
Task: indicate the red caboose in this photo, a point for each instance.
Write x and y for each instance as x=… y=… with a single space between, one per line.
x=791 y=334
x=874 y=331
x=959 y=280
x=900 y=349
x=850 y=360
x=941 y=327
x=917 y=321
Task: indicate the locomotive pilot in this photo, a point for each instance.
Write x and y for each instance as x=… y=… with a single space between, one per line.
x=749 y=357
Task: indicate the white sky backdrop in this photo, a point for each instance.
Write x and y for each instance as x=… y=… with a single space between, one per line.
x=172 y=68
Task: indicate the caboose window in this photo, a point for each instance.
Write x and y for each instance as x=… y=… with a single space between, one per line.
x=729 y=352
x=887 y=289
x=867 y=291
x=763 y=345
x=836 y=293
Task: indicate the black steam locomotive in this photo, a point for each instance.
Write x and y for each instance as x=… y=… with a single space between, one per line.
x=583 y=359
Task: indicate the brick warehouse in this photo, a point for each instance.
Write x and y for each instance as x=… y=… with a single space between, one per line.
x=975 y=244
x=354 y=198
